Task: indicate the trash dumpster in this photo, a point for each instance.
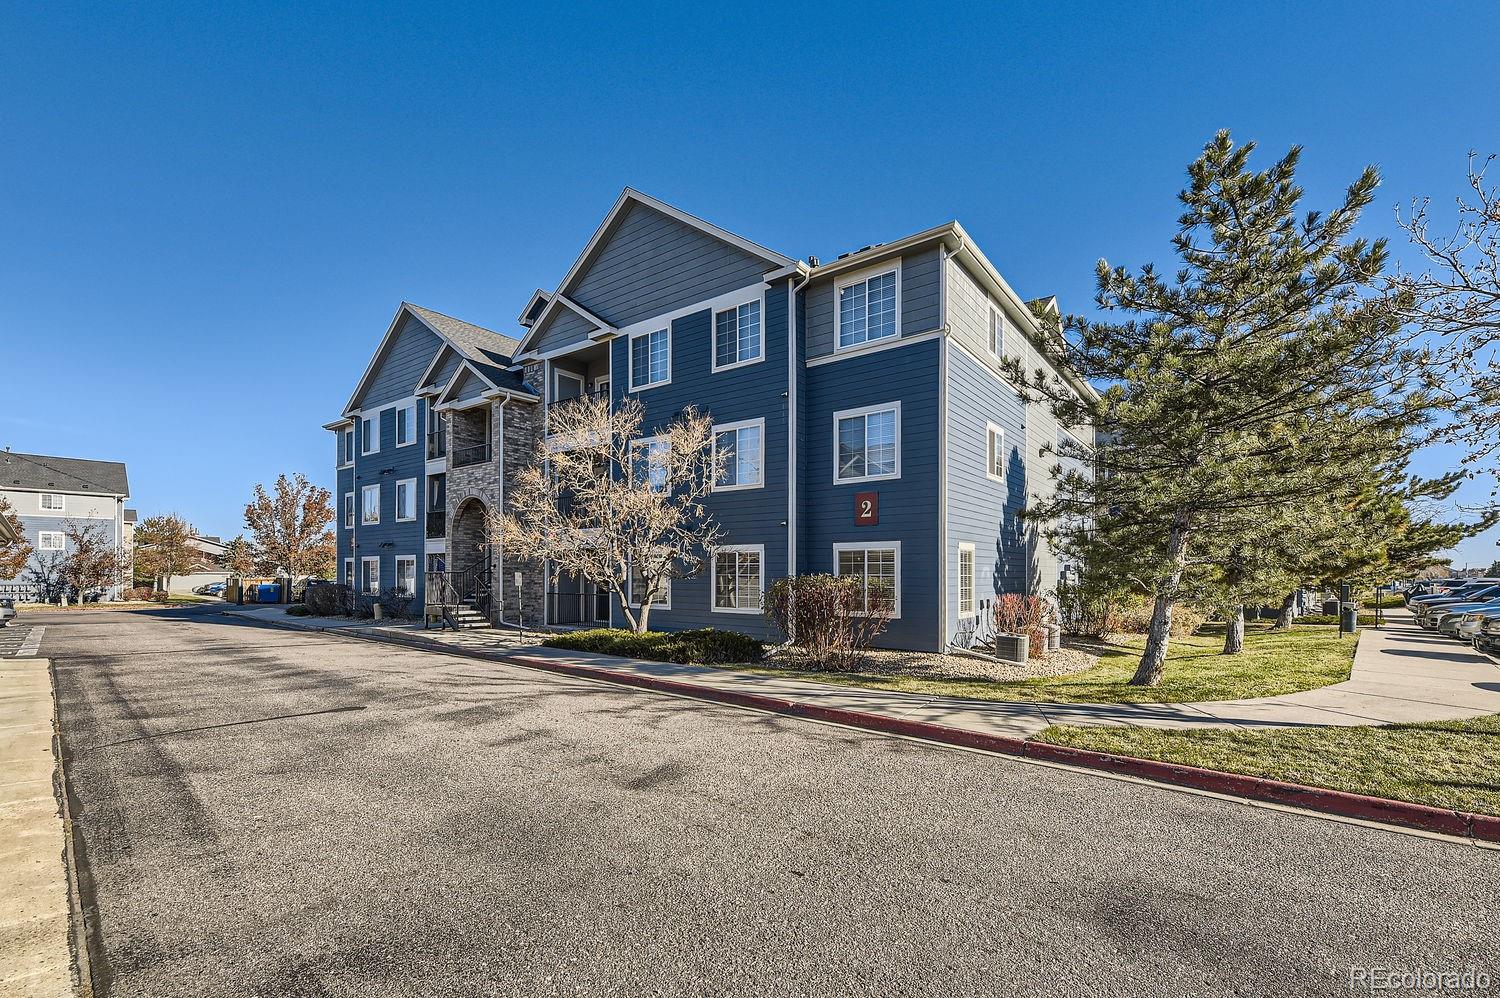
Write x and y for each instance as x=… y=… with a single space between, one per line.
x=1330 y=607
x=268 y=592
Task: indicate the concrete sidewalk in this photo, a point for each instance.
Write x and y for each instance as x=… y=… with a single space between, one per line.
x=1400 y=674
x=35 y=959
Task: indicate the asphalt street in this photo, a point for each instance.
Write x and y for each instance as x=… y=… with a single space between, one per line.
x=265 y=812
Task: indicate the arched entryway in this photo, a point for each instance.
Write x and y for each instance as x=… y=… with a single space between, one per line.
x=469 y=549
x=467 y=585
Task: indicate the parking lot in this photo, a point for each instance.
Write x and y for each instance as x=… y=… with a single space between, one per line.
x=20 y=640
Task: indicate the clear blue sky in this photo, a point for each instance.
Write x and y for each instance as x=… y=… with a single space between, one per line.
x=210 y=215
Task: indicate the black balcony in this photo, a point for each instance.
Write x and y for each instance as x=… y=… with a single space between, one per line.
x=437 y=523
x=556 y=403
x=463 y=457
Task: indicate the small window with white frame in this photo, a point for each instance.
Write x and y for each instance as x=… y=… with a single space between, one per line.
x=406 y=500
x=965 y=579
x=739 y=578
x=406 y=425
x=999 y=331
x=406 y=574
x=994 y=453
x=742 y=445
x=649 y=460
x=369 y=571
x=369 y=504
x=737 y=336
x=348 y=571
x=50 y=540
x=867 y=443
x=346 y=443
x=52 y=502
x=867 y=309
x=348 y=510
x=650 y=359
x=369 y=434
x=878 y=567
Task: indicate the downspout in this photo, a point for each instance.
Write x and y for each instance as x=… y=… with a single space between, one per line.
x=500 y=492
x=793 y=286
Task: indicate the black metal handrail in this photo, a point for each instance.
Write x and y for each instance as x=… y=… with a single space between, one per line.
x=603 y=393
x=463 y=457
x=447 y=591
x=437 y=523
x=574 y=608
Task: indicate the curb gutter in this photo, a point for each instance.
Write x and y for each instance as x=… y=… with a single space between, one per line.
x=1462 y=824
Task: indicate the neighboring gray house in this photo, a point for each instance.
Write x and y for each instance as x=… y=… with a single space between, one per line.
x=874 y=431
x=46 y=492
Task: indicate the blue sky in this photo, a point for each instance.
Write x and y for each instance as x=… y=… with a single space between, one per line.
x=211 y=214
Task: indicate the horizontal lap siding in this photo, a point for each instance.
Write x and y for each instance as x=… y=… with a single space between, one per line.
x=752 y=516
x=386 y=467
x=563 y=328
x=468 y=389
x=981 y=511
x=909 y=506
x=99 y=514
x=396 y=374
x=446 y=369
x=345 y=479
x=921 y=301
x=652 y=264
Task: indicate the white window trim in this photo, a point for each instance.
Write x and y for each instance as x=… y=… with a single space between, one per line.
x=1004 y=327
x=713 y=336
x=362 y=575
x=346 y=447
x=60 y=497
x=558 y=374
x=843 y=414
x=874 y=546
x=411 y=490
x=630 y=358
x=968 y=547
x=365 y=509
x=365 y=439
x=639 y=442
x=413 y=560
x=411 y=410
x=838 y=313
x=760 y=423
x=666 y=603
x=349 y=579
x=990 y=432
x=351 y=511
x=602 y=379
x=713 y=577
x=42 y=535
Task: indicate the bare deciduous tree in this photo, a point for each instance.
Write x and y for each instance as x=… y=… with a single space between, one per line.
x=164 y=548
x=94 y=563
x=13 y=553
x=290 y=528
x=602 y=502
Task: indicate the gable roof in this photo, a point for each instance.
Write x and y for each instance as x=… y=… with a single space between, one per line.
x=628 y=198
x=533 y=308
x=39 y=473
x=473 y=343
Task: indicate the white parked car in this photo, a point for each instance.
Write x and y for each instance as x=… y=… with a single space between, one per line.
x=7 y=611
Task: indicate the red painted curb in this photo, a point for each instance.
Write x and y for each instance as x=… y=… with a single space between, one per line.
x=1337 y=802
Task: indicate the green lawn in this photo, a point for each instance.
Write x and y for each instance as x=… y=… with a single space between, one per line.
x=1451 y=764
x=1273 y=663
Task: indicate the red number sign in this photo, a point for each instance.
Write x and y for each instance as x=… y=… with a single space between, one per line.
x=866 y=509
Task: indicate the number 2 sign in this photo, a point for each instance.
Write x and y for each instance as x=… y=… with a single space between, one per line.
x=866 y=509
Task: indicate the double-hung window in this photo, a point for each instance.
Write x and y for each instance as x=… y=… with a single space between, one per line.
x=737 y=337
x=406 y=425
x=406 y=574
x=51 y=502
x=878 y=568
x=999 y=330
x=369 y=504
x=867 y=309
x=738 y=578
x=867 y=443
x=740 y=446
x=347 y=438
x=663 y=597
x=348 y=571
x=650 y=359
x=965 y=579
x=50 y=540
x=649 y=459
x=406 y=499
x=369 y=434
x=369 y=575
x=348 y=510
x=994 y=451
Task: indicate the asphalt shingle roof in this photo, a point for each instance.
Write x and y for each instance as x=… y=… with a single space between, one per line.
x=39 y=472
x=476 y=343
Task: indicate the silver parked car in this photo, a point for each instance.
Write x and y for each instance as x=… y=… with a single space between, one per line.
x=7 y=611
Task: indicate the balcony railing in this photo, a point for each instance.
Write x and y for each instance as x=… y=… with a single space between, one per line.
x=437 y=523
x=437 y=445
x=555 y=403
x=463 y=457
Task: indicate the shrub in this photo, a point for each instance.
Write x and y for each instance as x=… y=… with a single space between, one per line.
x=1134 y=617
x=1365 y=619
x=706 y=646
x=397 y=603
x=1385 y=600
x=298 y=610
x=826 y=619
x=327 y=599
x=1028 y=615
x=1085 y=610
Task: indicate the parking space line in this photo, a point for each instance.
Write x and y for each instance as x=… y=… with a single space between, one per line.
x=32 y=643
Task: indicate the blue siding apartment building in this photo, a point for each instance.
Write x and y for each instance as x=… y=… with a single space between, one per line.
x=874 y=432
x=48 y=493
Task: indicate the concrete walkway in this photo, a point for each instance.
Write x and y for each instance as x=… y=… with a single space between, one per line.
x=35 y=959
x=1400 y=674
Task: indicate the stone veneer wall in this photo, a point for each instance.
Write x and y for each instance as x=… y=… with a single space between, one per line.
x=523 y=430
x=477 y=481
